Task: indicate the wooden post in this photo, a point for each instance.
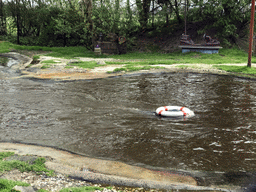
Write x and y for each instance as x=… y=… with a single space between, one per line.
x=153 y=13
x=251 y=33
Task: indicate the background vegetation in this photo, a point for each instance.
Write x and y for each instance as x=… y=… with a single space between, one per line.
x=79 y=22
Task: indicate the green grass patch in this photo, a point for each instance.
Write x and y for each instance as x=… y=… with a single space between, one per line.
x=85 y=64
x=83 y=189
x=236 y=69
x=37 y=167
x=48 y=63
x=5 y=154
x=7 y=185
x=36 y=57
x=233 y=55
x=46 y=66
x=6 y=46
x=61 y=52
x=225 y=56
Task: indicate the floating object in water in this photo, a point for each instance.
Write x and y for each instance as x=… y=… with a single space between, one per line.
x=174 y=111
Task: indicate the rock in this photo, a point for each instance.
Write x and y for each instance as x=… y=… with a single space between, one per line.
x=29 y=159
x=33 y=69
x=74 y=61
x=23 y=60
x=23 y=189
x=101 y=62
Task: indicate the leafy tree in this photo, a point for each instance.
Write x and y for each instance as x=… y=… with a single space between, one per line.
x=227 y=18
x=3 y=29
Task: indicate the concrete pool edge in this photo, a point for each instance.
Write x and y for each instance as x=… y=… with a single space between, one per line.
x=105 y=171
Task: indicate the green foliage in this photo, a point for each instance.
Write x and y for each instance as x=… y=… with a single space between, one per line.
x=228 y=19
x=5 y=154
x=7 y=185
x=36 y=57
x=70 y=23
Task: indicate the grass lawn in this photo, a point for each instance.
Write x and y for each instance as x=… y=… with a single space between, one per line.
x=37 y=167
x=137 y=61
x=236 y=69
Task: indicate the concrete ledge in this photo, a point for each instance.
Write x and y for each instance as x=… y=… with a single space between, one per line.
x=105 y=171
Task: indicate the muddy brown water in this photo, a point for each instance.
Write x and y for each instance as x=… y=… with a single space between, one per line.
x=114 y=118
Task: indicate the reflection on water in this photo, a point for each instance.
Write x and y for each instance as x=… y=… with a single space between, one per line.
x=114 y=118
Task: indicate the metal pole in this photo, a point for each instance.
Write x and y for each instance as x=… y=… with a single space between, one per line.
x=185 y=17
x=251 y=34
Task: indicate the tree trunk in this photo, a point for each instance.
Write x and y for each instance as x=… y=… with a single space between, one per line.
x=129 y=12
x=18 y=21
x=117 y=16
x=3 y=30
x=166 y=14
x=153 y=14
x=176 y=10
x=143 y=9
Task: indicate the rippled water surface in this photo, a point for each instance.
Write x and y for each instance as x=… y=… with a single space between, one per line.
x=114 y=119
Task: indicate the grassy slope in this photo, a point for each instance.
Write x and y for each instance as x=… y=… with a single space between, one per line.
x=38 y=167
x=144 y=60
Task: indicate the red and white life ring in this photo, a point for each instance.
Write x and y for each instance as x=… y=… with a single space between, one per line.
x=174 y=111
x=121 y=39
